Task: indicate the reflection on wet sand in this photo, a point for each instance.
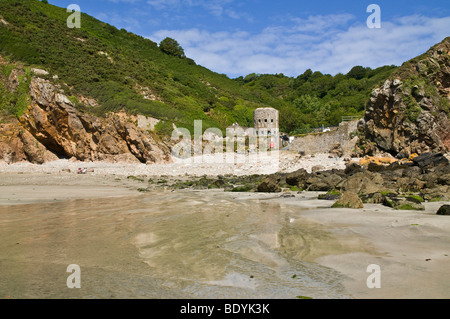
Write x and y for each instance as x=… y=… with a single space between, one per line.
x=184 y=244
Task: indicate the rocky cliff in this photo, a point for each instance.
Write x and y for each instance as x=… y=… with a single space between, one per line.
x=51 y=128
x=409 y=113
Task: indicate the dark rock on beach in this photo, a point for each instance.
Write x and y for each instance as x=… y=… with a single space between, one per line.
x=402 y=185
x=270 y=184
x=353 y=168
x=374 y=198
x=349 y=200
x=363 y=182
x=400 y=203
x=430 y=160
x=297 y=178
x=444 y=210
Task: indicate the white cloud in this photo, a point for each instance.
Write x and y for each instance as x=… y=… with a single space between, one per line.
x=163 y=4
x=321 y=23
x=322 y=43
x=126 y=1
x=216 y=8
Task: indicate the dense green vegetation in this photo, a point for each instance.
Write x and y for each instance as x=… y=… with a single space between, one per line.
x=172 y=47
x=14 y=100
x=115 y=66
x=313 y=99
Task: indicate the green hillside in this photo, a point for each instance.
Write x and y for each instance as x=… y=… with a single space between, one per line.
x=114 y=67
x=313 y=99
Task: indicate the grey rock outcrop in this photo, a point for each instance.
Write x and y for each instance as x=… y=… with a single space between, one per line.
x=409 y=113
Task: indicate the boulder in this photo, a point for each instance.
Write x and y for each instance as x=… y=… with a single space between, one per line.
x=393 y=176
x=374 y=198
x=409 y=184
x=297 y=178
x=402 y=164
x=443 y=174
x=349 y=200
x=430 y=160
x=353 y=168
x=336 y=150
x=364 y=182
x=444 y=179
x=400 y=203
x=322 y=181
x=413 y=171
x=318 y=184
x=444 y=210
x=438 y=193
x=374 y=167
x=270 y=184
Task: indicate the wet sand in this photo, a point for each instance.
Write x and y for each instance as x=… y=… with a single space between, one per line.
x=209 y=244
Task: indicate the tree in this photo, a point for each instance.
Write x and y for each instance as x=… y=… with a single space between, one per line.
x=171 y=47
x=357 y=72
x=306 y=75
x=45 y=1
x=251 y=77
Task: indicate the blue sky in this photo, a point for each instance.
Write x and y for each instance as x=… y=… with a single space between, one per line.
x=259 y=36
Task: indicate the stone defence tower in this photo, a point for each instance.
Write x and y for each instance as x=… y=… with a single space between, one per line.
x=266 y=122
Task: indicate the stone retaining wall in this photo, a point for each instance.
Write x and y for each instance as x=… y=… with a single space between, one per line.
x=323 y=142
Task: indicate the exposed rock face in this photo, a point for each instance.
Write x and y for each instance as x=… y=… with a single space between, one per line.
x=62 y=129
x=410 y=112
x=53 y=128
x=17 y=144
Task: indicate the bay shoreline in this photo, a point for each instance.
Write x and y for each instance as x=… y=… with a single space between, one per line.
x=411 y=247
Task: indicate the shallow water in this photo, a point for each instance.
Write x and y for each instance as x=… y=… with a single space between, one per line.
x=184 y=244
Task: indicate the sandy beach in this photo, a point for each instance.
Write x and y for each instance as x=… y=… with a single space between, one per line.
x=208 y=243
x=211 y=165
